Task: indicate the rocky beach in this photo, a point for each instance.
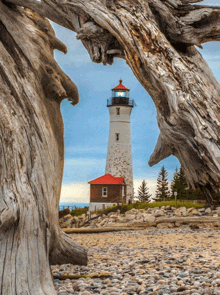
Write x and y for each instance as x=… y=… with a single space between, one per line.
x=164 y=259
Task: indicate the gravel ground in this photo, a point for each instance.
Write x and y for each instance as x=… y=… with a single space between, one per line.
x=150 y=261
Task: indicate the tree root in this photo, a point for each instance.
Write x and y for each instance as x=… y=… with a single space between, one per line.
x=65 y=250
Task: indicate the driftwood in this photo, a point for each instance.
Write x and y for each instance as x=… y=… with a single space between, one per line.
x=142 y=225
x=187 y=220
x=31 y=154
x=76 y=277
x=157 y=38
x=89 y=230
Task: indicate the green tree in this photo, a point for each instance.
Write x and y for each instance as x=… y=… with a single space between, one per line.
x=162 y=192
x=179 y=185
x=173 y=183
x=143 y=192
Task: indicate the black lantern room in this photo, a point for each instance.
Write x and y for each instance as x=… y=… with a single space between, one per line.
x=120 y=96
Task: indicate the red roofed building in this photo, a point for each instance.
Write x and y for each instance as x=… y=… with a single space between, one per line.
x=106 y=190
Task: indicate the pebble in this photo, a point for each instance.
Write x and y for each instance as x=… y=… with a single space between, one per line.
x=139 y=265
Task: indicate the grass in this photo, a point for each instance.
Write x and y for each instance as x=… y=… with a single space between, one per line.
x=144 y=205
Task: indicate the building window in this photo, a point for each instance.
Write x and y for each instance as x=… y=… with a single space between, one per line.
x=118 y=111
x=104 y=191
x=117 y=136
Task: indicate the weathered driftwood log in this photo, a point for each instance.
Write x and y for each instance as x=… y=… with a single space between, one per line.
x=31 y=154
x=157 y=40
x=142 y=225
x=86 y=230
x=66 y=276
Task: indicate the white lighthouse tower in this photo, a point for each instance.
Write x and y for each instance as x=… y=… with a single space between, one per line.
x=119 y=157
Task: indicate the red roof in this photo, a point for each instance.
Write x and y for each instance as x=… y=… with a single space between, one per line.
x=108 y=179
x=120 y=86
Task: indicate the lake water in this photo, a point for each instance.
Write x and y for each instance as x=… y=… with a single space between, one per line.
x=73 y=205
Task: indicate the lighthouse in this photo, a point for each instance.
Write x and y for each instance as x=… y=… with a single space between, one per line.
x=119 y=155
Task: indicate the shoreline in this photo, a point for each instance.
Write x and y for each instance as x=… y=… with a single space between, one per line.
x=151 y=261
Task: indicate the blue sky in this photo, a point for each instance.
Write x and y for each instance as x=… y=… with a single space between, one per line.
x=87 y=124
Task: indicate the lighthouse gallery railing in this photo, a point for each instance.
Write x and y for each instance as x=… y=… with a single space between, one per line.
x=121 y=101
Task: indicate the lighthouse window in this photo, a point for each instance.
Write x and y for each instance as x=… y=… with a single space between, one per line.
x=117 y=136
x=104 y=191
x=118 y=111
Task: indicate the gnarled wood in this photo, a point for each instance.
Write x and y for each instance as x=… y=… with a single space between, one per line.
x=156 y=38
x=31 y=154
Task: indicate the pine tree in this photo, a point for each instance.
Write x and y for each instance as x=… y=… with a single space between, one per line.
x=162 y=192
x=173 y=183
x=179 y=185
x=143 y=192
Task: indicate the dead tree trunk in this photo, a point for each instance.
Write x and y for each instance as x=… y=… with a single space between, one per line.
x=31 y=154
x=157 y=38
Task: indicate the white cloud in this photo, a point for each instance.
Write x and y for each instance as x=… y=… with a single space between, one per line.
x=75 y=192
x=85 y=162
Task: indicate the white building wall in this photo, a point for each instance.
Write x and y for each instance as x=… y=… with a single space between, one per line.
x=119 y=156
x=99 y=206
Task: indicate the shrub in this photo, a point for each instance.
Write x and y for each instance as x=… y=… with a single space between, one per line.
x=79 y=211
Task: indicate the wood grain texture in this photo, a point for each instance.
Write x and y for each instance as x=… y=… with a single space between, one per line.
x=31 y=154
x=157 y=40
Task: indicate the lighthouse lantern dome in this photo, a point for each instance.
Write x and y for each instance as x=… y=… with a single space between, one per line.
x=120 y=96
x=120 y=90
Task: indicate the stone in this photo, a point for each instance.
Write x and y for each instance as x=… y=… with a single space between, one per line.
x=181 y=288
x=131 y=212
x=208 y=211
x=179 y=212
x=159 y=213
x=130 y=217
x=165 y=225
x=149 y=218
x=83 y=216
x=194 y=212
x=139 y=217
